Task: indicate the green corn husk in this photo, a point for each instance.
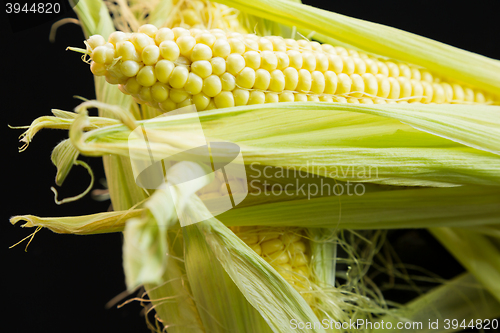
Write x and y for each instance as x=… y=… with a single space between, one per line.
x=210 y=281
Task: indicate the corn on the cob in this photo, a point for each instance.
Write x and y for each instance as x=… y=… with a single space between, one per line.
x=170 y=68
x=287 y=250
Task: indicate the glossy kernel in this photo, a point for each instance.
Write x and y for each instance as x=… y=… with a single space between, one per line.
x=212 y=86
x=218 y=65
x=228 y=81
x=305 y=80
x=146 y=76
x=241 y=96
x=202 y=68
x=179 y=77
x=150 y=55
x=224 y=99
x=235 y=63
x=159 y=92
x=246 y=78
x=194 y=84
x=291 y=78
x=163 y=70
x=169 y=50
x=317 y=82
x=201 y=52
x=269 y=61
x=129 y=68
x=277 y=81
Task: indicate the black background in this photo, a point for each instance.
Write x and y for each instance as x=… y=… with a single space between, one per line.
x=64 y=281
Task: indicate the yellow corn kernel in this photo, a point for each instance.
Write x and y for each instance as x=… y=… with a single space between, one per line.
x=283 y=60
x=141 y=40
x=300 y=97
x=256 y=97
x=224 y=99
x=164 y=34
x=186 y=102
x=169 y=50
x=298 y=259
x=358 y=86
x=276 y=258
x=326 y=98
x=100 y=69
x=186 y=44
x=371 y=84
x=132 y=86
x=277 y=82
x=241 y=97
x=305 y=81
x=317 y=82
x=252 y=59
x=194 y=84
x=417 y=90
x=237 y=46
x=150 y=55
x=146 y=76
x=201 y=52
x=149 y=30
x=126 y=51
x=130 y=68
x=295 y=59
x=235 y=63
x=178 y=96
x=272 y=97
x=159 y=92
x=163 y=70
x=308 y=61
x=286 y=96
x=344 y=84
x=359 y=66
x=167 y=105
x=246 y=78
x=212 y=86
x=145 y=94
x=221 y=48
x=405 y=71
x=103 y=55
x=179 y=77
x=336 y=64
x=206 y=38
x=95 y=41
x=201 y=101
x=268 y=60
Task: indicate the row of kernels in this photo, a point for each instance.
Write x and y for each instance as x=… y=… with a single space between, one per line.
x=272 y=242
x=374 y=88
x=186 y=45
x=171 y=43
x=357 y=62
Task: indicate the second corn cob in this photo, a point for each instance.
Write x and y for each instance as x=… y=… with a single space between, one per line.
x=286 y=249
x=170 y=68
